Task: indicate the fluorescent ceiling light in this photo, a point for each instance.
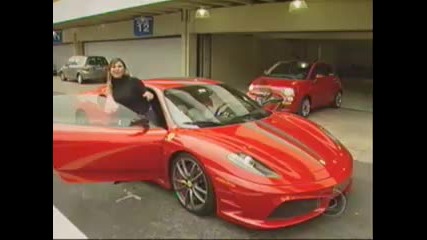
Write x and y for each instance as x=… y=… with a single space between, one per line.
x=297 y=5
x=202 y=13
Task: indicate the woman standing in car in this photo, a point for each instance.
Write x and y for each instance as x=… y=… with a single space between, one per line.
x=126 y=90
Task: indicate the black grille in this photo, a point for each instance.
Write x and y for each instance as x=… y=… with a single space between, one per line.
x=294 y=208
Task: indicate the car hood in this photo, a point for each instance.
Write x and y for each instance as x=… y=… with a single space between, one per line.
x=266 y=81
x=293 y=147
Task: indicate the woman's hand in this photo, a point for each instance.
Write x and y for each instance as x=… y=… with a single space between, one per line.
x=148 y=95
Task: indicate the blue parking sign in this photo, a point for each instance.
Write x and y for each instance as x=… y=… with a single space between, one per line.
x=57 y=37
x=143 y=26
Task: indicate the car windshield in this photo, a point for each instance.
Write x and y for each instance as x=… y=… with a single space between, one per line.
x=200 y=106
x=295 y=70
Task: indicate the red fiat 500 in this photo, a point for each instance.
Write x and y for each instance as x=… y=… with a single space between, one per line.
x=299 y=86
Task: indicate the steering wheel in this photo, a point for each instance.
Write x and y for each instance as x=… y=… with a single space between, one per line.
x=221 y=111
x=220 y=107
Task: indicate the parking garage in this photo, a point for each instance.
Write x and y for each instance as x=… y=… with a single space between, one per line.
x=235 y=43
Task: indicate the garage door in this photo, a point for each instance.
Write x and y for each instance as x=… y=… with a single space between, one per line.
x=61 y=54
x=147 y=58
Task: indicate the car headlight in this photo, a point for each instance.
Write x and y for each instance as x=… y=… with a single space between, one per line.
x=288 y=92
x=251 y=165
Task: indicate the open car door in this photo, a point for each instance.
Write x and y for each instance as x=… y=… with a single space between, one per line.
x=90 y=145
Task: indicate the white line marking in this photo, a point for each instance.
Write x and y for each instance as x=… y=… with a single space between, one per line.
x=129 y=194
x=63 y=228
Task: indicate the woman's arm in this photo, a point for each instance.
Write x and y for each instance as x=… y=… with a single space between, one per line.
x=148 y=95
x=143 y=90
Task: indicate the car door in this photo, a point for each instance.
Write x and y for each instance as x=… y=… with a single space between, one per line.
x=333 y=84
x=77 y=66
x=319 y=89
x=316 y=86
x=66 y=68
x=84 y=153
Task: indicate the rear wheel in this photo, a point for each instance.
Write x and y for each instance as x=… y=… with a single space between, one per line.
x=337 y=100
x=62 y=76
x=192 y=185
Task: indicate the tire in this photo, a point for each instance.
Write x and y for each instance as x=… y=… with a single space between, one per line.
x=62 y=76
x=305 y=107
x=80 y=79
x=337 y=100
x=200 y=190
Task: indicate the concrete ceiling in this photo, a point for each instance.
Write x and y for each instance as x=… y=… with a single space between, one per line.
x=161 y=8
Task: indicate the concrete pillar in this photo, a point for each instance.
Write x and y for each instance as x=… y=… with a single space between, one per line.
x=188 y=47
x=78 y=45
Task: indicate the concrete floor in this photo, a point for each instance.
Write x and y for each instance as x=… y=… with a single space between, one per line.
x=94 y=211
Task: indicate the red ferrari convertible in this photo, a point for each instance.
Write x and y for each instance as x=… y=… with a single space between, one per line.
x=217 y=149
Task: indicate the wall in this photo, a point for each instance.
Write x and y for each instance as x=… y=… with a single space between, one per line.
x=352 y=58
x=322 y=15
x=355 y=58
x=165 y=25
x=234 y=59
x=272 y=50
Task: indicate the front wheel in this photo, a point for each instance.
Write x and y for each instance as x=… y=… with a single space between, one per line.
x=80 y=79
x=192 y=185
x=305 y=107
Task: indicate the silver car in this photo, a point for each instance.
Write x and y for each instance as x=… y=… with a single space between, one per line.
x=84 y=68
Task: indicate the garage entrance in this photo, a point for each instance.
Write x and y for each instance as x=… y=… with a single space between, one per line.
x=145 y=58
x=61 y=54
x=240 y=58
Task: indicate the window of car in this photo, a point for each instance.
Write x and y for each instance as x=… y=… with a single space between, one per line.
x=72 y=61
x=322 y=70
x=296 y=70
x=124 y=115
x=200 y=106
x=90 y=110
x=97 y=61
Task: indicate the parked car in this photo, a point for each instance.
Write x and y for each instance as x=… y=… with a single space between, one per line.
x=55 y=71
x=301 y=86
x=84 y=68
x=213 y=146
